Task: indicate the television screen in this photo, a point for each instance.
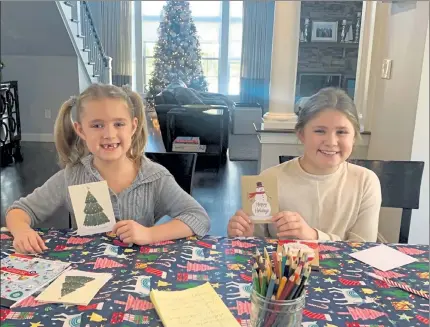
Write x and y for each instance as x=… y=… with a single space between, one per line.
x=310 y=84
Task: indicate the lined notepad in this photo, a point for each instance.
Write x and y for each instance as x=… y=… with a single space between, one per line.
x=197 y=306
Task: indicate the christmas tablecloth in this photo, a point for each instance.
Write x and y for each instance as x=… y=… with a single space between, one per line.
x=340 y=294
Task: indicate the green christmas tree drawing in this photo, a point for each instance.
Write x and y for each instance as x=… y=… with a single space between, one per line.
x=177 y=54
x=94 y=215
x=72 y=283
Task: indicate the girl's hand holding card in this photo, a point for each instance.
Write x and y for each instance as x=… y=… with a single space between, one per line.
x=130 y=231
x=292 y=225
x=240 y=225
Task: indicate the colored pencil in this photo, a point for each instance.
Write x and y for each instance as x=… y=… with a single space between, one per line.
x=264 y=284
x=283 y=261
x=266 y=254
x=302 y=282
x=276 y=263
x=296 y=285
x=268 y=296
x=282 y=284
x=256 y=282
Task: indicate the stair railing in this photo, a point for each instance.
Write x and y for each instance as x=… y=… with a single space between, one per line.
x=97 y=57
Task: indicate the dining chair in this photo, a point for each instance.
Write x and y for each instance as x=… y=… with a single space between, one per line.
x=180 y=165
x=400 y=184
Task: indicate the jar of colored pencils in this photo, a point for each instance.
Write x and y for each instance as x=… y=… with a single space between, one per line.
x=279 y=288
x=276 y=313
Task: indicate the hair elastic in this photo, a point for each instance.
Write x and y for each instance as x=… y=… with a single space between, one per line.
x=73 y=99
x=127 y=88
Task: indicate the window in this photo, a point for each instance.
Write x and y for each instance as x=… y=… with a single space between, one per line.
x=152 y=8
x=209 y=36
x=236 y=9
x=220 y=57
x=234 y=52
x=205 y=8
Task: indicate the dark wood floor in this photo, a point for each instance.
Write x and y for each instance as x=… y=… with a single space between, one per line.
x=218 y=193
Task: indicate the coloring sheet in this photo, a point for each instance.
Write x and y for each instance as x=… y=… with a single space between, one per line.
x=260 y=198
x=22 y=276
x=74 y=287
x=92 y=207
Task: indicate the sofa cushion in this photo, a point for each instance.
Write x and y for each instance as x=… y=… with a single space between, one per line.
x=186 y=96
x=169 y=97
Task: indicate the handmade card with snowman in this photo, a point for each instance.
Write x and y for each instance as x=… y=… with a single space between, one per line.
x=260 y=198
x=92 y=207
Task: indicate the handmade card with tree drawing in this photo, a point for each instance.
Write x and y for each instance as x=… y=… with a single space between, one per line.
x=260 y=198
x=92 y=207
x=74 y=287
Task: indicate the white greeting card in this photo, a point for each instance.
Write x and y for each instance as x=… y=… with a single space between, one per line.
x=383 y=257
x=74 y=287
x=92 y=207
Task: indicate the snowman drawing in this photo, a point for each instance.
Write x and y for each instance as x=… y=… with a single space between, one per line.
x=260 y=208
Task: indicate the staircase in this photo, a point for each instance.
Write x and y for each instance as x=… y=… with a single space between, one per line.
x=53 y=51
x=86 y=41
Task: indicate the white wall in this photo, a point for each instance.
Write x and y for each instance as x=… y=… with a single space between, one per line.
x=33 y=28
x=394 y=112
x=43 y=83
x=419 y=232
x=84 y=79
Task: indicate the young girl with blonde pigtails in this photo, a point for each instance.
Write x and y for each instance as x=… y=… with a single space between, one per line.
x=106 y=142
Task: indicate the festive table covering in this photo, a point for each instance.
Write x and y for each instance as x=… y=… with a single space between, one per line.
x=340 y=294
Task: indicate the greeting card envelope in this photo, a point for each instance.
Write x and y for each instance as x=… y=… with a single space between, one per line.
x=92 y=207
x=74 y=287
x=260 y=198
x=383 y=257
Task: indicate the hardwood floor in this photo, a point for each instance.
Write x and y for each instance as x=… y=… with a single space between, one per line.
x=219 y=193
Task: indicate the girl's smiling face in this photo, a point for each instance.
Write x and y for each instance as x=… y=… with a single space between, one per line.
x=107 y=127
x=328 y=140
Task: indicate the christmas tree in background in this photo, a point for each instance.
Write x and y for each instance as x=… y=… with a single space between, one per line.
x=177 y=53
x=72 y=283
x=94 y=214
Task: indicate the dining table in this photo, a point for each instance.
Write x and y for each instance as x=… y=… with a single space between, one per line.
x=340 y=293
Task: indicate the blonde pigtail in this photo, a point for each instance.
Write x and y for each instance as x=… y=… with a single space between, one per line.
x=140 y=136
x=70 y=147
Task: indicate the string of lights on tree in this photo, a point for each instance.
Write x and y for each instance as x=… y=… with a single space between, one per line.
x=177 y=55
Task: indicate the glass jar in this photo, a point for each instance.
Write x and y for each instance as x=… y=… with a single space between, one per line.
x=273 y=313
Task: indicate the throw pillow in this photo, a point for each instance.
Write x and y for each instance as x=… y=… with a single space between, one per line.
x=186 y=96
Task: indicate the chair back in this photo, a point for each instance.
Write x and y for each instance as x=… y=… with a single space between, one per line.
x=400 y=185
x=180 y=165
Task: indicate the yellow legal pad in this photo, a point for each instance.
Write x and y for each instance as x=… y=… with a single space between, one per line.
x=198 y=306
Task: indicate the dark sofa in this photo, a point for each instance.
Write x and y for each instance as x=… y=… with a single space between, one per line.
x=178 y=96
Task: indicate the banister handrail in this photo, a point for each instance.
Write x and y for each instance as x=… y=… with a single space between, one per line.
x=96 y=34
x=87 y=41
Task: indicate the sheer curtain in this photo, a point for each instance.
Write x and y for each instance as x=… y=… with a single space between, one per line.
x=258 y=19
x=113 y=23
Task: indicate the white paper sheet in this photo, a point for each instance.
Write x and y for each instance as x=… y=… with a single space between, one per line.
x=383 y=257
